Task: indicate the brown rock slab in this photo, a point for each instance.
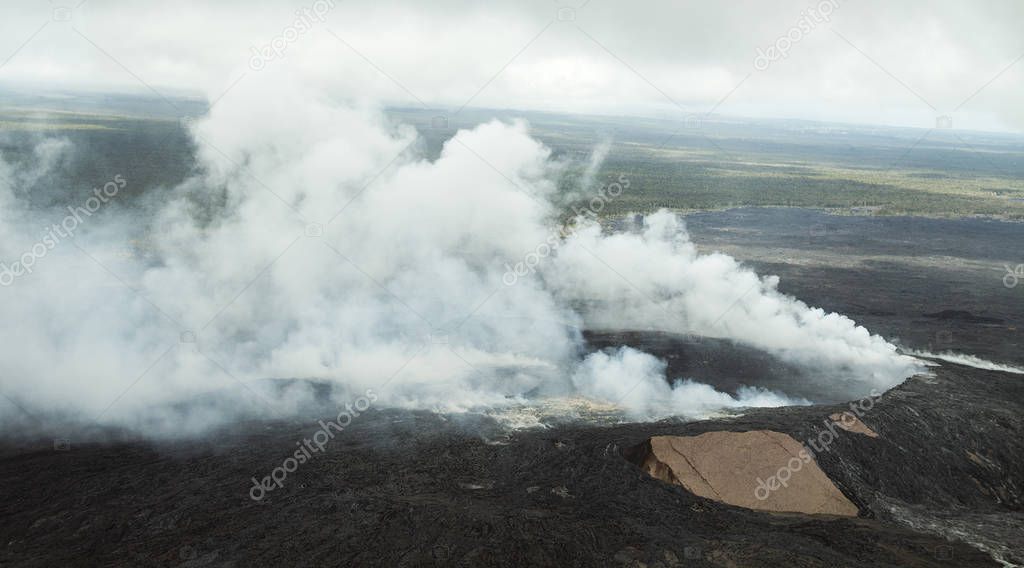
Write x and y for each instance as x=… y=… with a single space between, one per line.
x=848 y=421
x=761 y=469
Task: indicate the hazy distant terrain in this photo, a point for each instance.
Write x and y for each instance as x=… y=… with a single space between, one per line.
x=699 y=164
x=718 y=162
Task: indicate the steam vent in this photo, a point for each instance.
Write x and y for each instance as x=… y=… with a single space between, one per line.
x=761 y=469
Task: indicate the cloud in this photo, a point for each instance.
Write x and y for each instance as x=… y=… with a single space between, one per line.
x=314 y=241
x=871 y=61
x=637 y=382
x=660 y=282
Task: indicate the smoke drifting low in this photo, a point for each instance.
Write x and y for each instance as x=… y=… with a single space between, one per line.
x=663 y=284
x=315 y=243
x=637 y=382
x=968 y=360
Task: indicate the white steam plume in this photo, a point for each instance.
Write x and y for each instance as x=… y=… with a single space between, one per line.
x=968 y=360
x=636 y=381
x=655 y=279
x=335 y=252
x=597 y=158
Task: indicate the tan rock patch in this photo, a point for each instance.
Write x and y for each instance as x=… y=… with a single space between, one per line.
x=848 y=421
x=746 y=469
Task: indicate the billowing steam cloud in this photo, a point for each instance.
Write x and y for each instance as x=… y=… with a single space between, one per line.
x=636 y=380
x=314 y=243
x=655 y=279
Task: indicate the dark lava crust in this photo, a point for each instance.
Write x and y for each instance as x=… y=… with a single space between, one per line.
x=417 y=489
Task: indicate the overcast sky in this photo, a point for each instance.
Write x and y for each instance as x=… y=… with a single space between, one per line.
x=872 y=61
